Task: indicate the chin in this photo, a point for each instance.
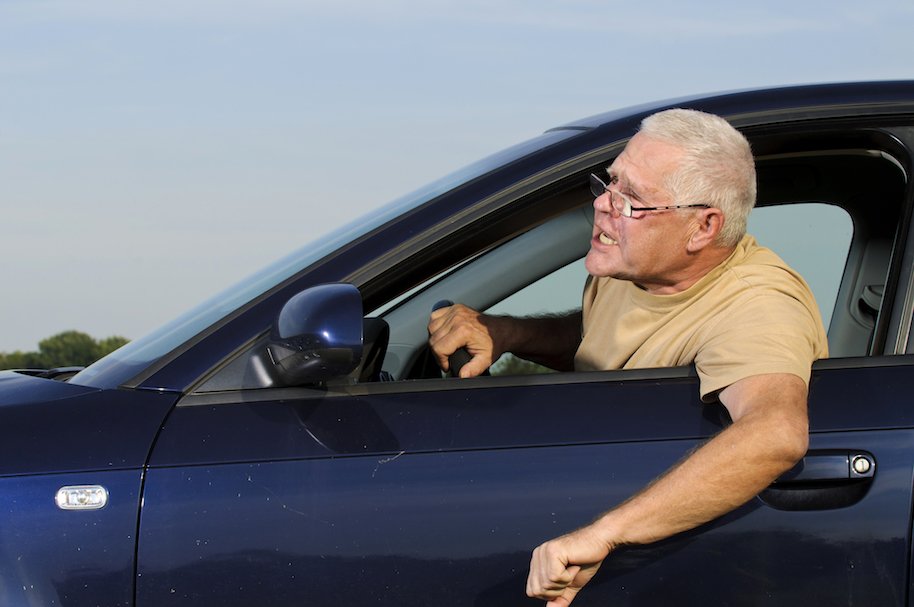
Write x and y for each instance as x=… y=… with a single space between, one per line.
x=600 y=266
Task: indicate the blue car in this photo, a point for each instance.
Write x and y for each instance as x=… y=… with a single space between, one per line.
x=291 y=441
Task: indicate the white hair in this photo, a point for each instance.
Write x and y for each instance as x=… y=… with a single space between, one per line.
x=717 y=168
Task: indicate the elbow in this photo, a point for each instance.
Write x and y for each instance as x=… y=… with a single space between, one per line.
x=791 y=446
x=796 y=448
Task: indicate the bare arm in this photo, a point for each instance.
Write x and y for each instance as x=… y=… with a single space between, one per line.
x=768 y=436
x=548 y=340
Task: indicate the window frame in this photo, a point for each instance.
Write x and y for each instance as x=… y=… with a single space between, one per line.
x=525 y=206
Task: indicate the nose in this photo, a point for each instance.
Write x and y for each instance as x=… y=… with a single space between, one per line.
x=603 y=204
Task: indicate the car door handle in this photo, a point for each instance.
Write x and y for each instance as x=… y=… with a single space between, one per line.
x=822 y=480
x=831 y=466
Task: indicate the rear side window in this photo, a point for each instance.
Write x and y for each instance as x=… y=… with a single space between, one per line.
x=814 y=239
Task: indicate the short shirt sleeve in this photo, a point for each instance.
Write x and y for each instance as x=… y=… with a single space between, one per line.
x=768 y=332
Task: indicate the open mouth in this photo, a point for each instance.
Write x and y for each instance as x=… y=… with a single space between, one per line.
x=606 y=239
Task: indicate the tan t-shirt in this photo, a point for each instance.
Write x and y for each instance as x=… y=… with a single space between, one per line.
x=751 y=315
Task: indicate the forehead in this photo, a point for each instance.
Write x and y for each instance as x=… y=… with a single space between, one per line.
x=646 y=162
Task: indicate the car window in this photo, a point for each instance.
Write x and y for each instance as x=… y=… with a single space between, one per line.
x=807 y=215
x=559 y=291
x=813 y=238
x=121 y=365
x=556 y=292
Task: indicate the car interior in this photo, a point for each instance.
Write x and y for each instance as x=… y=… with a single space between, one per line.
x=851 y=183
x=866 y=182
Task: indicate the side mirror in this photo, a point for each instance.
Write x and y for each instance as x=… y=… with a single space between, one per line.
x=317 y=335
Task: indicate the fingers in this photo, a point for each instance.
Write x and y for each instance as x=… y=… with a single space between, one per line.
x=456 y=327
x=561 y=567
x=444 y=338
x=436 y=334
x=558 y=588
x=476 y=366
x=550 y=574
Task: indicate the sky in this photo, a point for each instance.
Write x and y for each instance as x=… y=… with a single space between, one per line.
x=154 y=153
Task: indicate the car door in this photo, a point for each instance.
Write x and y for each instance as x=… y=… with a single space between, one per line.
x=434 y=491
x=437 y=494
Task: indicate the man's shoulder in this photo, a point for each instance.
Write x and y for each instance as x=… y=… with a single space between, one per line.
x=754 y=265
x=750 y=253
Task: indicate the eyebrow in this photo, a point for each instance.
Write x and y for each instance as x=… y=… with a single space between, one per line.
x=626 y=183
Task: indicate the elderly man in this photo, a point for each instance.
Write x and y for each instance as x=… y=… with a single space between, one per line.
x=674 y=280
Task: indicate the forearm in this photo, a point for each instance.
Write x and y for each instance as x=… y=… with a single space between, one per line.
x=769 y=435
x=723 y=474
x=548 y=340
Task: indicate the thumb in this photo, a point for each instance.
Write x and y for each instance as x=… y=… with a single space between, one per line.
x=572 y=571
x=570 y=591
x=565 y=599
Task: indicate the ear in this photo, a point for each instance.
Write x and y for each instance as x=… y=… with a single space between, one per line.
x=707 y=225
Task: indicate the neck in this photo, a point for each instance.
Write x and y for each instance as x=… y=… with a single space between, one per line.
x=697 y=267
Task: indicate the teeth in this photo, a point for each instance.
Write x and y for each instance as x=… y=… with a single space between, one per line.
x=606 y=239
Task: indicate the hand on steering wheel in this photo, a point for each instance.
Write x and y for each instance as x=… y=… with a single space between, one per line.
x=444 y=329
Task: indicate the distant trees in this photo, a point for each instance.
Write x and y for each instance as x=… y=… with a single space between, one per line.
x=67 y=349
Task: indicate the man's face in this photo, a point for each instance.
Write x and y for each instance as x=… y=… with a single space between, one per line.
x=648 y=248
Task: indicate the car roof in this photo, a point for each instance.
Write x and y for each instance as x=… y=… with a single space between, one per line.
x=740 y=106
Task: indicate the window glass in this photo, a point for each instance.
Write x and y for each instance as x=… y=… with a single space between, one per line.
x=814 y=239
x=557 y=292
x=554 y=293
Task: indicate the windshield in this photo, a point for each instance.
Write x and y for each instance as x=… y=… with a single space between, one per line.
x=128 y=361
